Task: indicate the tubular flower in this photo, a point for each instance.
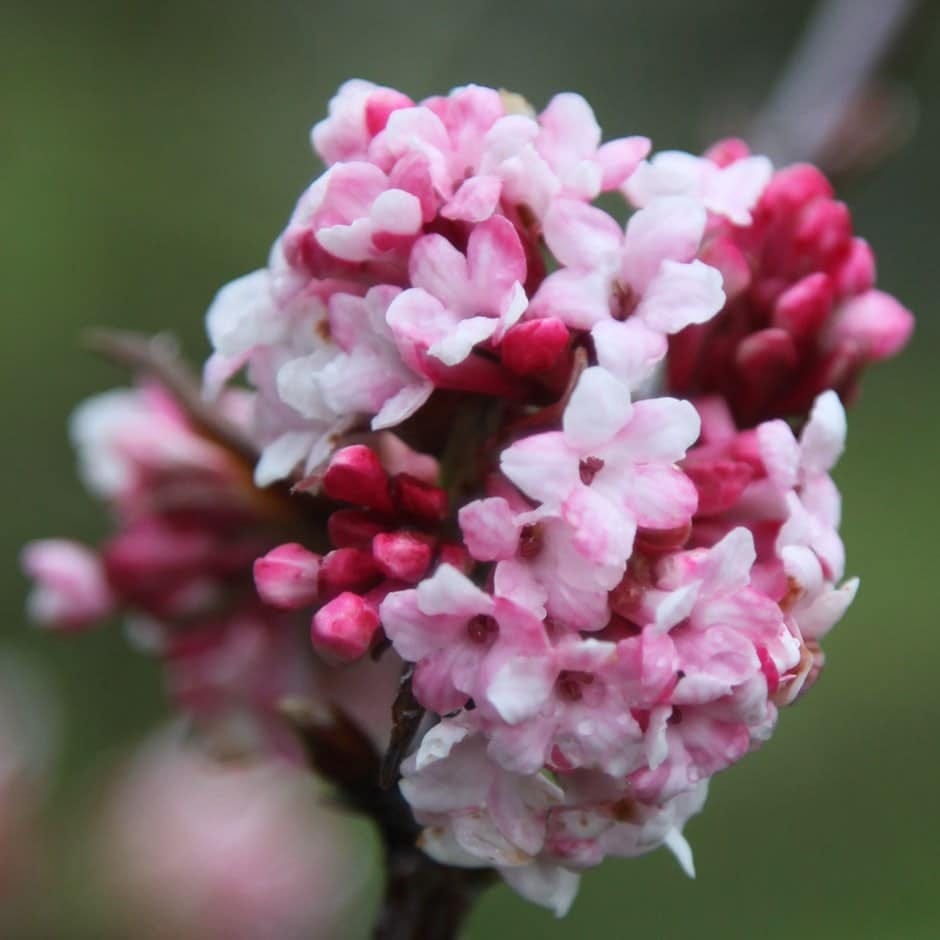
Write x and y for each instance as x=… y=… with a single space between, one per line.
x=569 y=476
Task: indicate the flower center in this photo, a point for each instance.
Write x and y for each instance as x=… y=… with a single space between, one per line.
x=530 y=540
x=482 y=629
x=570 y=684
x=589 y=468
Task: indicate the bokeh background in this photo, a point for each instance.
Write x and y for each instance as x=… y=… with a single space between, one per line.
x=149 y=152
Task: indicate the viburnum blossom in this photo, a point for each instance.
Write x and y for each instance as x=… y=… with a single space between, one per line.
x=566 y=478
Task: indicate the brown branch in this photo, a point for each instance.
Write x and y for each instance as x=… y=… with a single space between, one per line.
x=407 y=713
x=828 y=73
x=157 y=357
x=423 y=900
x=551 y=414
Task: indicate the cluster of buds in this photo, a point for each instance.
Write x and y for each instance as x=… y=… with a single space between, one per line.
x=573 y=472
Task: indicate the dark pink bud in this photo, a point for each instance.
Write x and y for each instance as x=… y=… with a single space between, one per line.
x=382 y=102
x=287 y=577
x=793 y=187
x=823 y=232
x=355 y=475
x=419 y=499
x=722 y=253
x=404 y=556
x=875 y=323
x=534 y=346
x=802 y=309
x=343 y=628
x=412 y=173
x=720 y=482
x=451 y=553
x=71 y=591
x=764 y=356
x=348 y=569
x=660 y=541
x=728 y=151
x=352 y=528
x=855 y=273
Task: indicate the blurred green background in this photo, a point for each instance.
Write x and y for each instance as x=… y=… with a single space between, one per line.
x=149 y=152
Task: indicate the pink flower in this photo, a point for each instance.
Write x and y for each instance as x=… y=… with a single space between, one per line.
x=732 y=190
x=358 y=112
x=648 y=273
x=540 y=556
x=612 y=466
x=463 y=640
x=478 y=814
x=190 y=847
x=71 y=590
x=802 y=314
x=459 y=301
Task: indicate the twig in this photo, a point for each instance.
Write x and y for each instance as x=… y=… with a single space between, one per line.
x=157 y=357
x=407 y=713
x=423 y=900
x=838 y=54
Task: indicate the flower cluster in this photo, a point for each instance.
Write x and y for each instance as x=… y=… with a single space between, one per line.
x=572 y=470
x=188 y=527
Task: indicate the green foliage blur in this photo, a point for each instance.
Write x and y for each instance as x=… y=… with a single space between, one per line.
x=150 y=152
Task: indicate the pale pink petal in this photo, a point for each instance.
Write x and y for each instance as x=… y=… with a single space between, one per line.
x=414 y=633
x=680 y=295
x=602 y=534
x=348 y=242
x=779 y=453
x=628 y=349
x=243 y=315
x=713 y=661
x=542 y=466
x=734 y=190
x=489 y=528
x=480 y=836
x=280 y=458
x=582 y=236
x=402 y=405
x=823 y=438
x=816 y=620
x=619 y=158
x=515 y=580
x=519 y=686
x=669 y=229
x=677 y=843
x=439 y=268
x=475 y=201
x=453 y=348
x=659 y=429
x=447 y=592
x=545 y=884
x=395 y=212
x=417 y=320
x=569 y=131
x=523 y=827
x=660 y=496
x=598 y=409
x=577 y=298
x=669 y=173
x=495 y=261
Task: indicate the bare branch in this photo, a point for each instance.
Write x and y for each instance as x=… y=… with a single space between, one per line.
x=829 y=71
x=158 y=357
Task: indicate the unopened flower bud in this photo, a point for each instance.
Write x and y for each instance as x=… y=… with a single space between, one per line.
x=404 y=556
x=71 y=590
x=344 y=628
x=356 y=476
x=287 y=577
